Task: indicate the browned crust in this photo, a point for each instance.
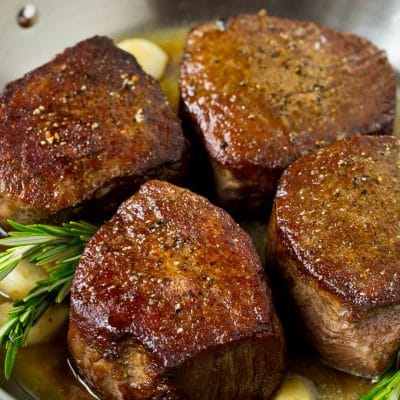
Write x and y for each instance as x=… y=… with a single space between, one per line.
x=87 y=120
x=338 y=213
x=334 y=236
x=177 y=275
x=262 y=91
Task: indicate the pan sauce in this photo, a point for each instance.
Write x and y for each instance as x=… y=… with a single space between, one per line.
x=43 y=370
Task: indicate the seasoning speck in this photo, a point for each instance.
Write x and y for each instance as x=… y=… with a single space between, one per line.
x=139 y=116
x=38 y=110
x=178 y=307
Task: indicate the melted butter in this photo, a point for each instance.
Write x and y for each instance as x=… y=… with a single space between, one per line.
x=172 y=41
x=43 y=370
x=330 y=384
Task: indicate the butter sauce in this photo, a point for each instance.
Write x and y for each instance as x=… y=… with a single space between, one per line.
x=43 y=370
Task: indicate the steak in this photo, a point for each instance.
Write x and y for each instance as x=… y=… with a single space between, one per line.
x=334 y=239
x=169 y=301
x=81 y=132
x=262 y=91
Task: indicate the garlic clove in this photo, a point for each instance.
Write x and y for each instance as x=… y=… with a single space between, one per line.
x=47 y=326
x=296 y=387
x=152 y=58
x=21 y=280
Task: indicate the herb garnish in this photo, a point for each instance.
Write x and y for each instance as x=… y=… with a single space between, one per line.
x=388 y=385
x=59 y=246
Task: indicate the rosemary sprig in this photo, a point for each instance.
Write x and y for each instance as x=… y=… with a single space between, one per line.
x=60 y=246
x=387 y=386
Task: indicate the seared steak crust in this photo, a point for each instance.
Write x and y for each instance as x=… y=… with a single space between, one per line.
x=334 y=236
x=80 y=127
x=262 y=91
x=169 y=301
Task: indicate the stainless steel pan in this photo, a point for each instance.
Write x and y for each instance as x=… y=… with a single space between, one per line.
x=54 y=25
x=63 y=23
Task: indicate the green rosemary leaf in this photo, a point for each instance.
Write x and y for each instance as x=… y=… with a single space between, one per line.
x=23 y=228
x=15 y=311
x=50 y=254
x=34 y=293
x=78 y=230
x=35 y=251
x=29 y=234
x=25 y=240
x=62 y=273
x=42 y=307
x=395 y=394
x=11 y=353
x=8 y=264
x=25 y=316
x=54 y=256
x=64 y=291
x=53 y=230
x=73 y=258
x=16 y=251
x=27 y=329
x=40 y=244
x=59 y=267
x=84 y=238
x=4 y=330
x=82 y=224
x=385 y=389
x=57 y=283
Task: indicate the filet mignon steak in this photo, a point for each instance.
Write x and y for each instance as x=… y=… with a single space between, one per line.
x=170 y=301
x=262 y=91
x=334 y=238
x=84 y=129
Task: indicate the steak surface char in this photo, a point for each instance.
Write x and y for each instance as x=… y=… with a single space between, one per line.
x=262 y=91
x=169 y=301
x=83 y=130
x=334 y=239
